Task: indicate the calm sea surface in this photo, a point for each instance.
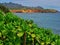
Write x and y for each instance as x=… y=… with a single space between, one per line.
x=46 y=20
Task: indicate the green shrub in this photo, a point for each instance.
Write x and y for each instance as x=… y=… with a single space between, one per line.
x=17 y=31
x=4 y=9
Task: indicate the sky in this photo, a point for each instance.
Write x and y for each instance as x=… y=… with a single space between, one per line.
x=50 y=4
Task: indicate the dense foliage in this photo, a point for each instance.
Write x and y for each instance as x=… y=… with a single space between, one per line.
x=4 y=9
x=17 y=31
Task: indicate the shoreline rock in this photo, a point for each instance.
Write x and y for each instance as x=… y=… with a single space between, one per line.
x=34 y=11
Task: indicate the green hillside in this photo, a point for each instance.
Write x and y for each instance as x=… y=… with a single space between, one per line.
x=17 y=31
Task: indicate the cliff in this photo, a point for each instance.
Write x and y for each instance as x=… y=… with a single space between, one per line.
x=34 y=11
x=18 y=8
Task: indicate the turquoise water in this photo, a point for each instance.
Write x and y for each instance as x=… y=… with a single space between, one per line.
x=46 y=20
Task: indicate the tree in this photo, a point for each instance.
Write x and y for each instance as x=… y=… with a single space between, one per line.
x=4 y=9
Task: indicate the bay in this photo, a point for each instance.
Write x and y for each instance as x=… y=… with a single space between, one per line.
x=46 y=20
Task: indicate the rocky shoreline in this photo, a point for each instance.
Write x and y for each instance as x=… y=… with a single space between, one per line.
x=34 y=11
x=18 y=8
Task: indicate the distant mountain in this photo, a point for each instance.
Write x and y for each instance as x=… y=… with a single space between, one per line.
x=11 y=5
x=20 y=8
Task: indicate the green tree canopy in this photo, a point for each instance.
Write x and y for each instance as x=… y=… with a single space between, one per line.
x=3 y=8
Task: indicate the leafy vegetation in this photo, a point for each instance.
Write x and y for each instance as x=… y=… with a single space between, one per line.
x=17 y=31
x=4 y=9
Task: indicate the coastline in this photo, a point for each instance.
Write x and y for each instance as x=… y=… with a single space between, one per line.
x=33 y=11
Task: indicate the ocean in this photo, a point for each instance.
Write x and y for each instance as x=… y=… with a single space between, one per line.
x=45 y=20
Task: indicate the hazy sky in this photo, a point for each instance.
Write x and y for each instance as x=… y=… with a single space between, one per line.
x=54 y=4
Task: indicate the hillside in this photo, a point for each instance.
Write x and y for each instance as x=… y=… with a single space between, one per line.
x=4 y=9
x=22 y=9
x=17 y=31
x=18 y=6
